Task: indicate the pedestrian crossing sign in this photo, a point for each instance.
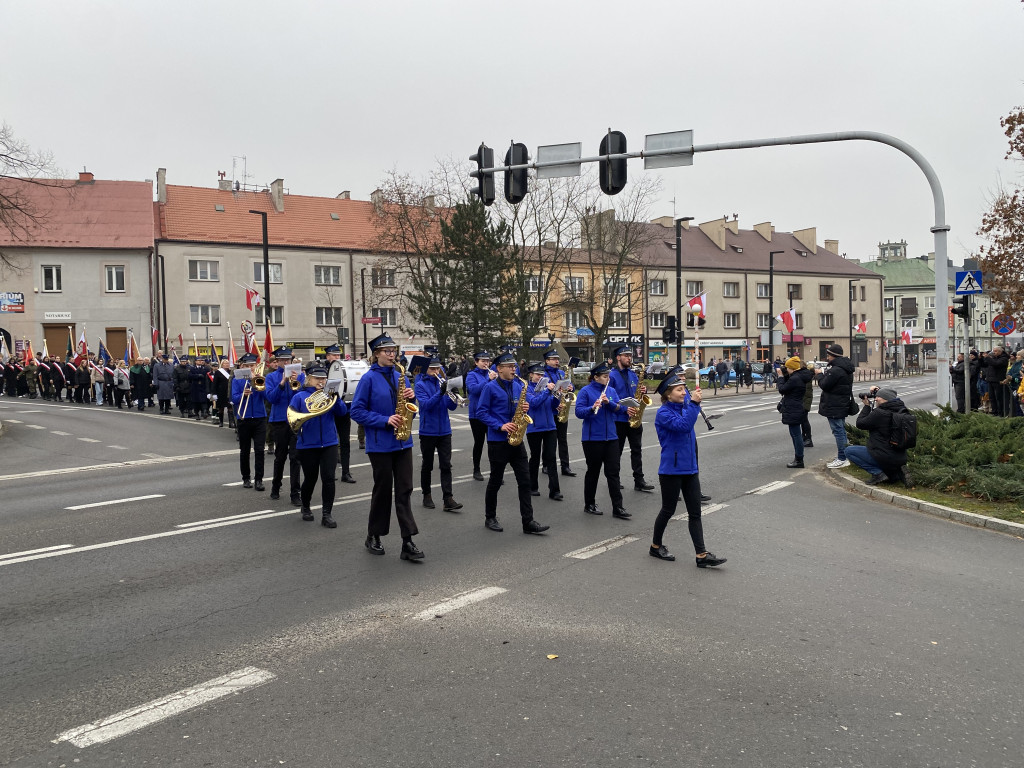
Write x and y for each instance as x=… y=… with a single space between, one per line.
x=968 y=282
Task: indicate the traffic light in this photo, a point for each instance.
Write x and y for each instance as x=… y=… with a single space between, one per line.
x=962 y=307
x=484 y=158
x=668 y=335
x=515 y=181
x=613 y=172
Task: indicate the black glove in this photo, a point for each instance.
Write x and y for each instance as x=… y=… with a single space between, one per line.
x=444 y=386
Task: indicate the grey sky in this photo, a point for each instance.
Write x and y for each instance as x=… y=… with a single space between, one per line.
x=329 y=95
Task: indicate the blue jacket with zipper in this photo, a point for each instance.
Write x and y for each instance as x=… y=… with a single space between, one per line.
x=376 y=401
x=541 y=410
x=600 y=425
x=255 y=408
x=319 y=431
x=624 y=382
x=475 y=382
x=279 y=397
x=674 y=425
x=434 y=407
x=497 y=406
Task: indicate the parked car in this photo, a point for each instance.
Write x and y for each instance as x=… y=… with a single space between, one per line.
x=732 y=375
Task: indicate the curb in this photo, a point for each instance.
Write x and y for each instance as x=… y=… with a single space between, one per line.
x=929 y=508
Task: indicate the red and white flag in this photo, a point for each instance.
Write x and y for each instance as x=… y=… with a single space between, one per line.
x=268 y=343
x=907 y=336
x=156 y=337
x=252 y=299
x=861 y=327
x=699 y=303
x=788 y=319
x=181 y=341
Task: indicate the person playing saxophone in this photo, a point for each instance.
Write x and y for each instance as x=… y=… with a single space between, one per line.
x=316 y=443
x=626 y=383
x=379 y=404
x=503 y=407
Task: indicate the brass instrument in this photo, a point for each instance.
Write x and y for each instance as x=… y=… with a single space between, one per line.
x=456 y=383
x=520 y=419
x=404 y=408
x=259 y=378
x=566 y=399
x=645 y=399
x=317 y=403
x=296 y=385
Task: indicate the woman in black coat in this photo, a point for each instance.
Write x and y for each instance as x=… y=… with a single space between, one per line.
x=792 y=388
x=83 y=382
x=141 y=381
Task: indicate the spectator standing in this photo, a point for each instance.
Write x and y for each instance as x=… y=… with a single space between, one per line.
x=836 y=385
x=163 y=381
x=792 y=387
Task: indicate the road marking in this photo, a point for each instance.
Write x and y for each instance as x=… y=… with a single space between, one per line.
x=459 y=601
x=34 y=551
x=116 y=501
x=220 y=519
x=35 y=426
x=704 y=511
x=774 y=486
x=239 y=482
x=601 y=546
x=118 y=447
x=58 y=432
x=117 y=464
x=152 y=455
x=14 y=421
x=88 y=440
x=160 y=709
x=29 y=411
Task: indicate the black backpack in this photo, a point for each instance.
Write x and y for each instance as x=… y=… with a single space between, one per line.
x=903 y=432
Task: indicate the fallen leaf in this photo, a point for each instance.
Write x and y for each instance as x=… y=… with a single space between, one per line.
x=552 y=655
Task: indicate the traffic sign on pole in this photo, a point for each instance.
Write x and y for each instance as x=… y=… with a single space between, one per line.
x=968 y=282
x=371 y=321
x=1003 y=324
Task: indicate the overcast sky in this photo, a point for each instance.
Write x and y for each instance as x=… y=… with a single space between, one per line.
x=330 y=95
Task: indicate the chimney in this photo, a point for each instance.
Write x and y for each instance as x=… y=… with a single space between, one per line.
x=224 y=185
x=85 y=177
x=277 y=194
x=428 y=203
x=715 y=230
x=346 y=195
x=808 y=238
x=665 y=221
x=734 y=225
x=161 y=185
x=832 y=246
x=765 y=229
x=376 y=197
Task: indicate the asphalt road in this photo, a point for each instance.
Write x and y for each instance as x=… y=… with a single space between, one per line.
x=841 y=632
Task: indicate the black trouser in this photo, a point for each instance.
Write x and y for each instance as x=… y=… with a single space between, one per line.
x=479 y=439
x=165 y=406
x=602 y=453
x=562 y=429
x=500 y=454
x=689 y=485
x=315 y=462
x=182 y=402
x=344 y=426
x=119 y=395
x=542 y=447
x=1000 y=397
x=392 y=476
x=284 y=449
x=202 y=408
x=252 y=433
x=805 y=427
x=443 y=445
x=635 y=437
x=958 y=393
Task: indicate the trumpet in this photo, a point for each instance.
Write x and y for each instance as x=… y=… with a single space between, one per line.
x=456 y=383
x=259 y=378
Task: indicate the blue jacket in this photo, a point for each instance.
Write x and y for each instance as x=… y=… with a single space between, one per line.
x=623 y=388
x=541 y=412
x=497 y=406
x=556 y=374
x=320 y=431
x=674 y=425
x=255 y=408
x=375 y=402
x=434 y=406
x=600 y=425
x=279 y=397
x=475 y=381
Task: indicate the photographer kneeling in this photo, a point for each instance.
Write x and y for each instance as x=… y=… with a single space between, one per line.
x=879 y=457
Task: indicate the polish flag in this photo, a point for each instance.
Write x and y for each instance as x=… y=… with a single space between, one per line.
x=181 y=341
x=907 y=336
x=252 y=299
x=268 y=342
x=156 y=337
x=700 y=303
x=861 y=327
x=788 y=319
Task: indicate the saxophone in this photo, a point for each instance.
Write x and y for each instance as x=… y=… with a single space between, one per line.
x=645 y=400
x=566 y=399
x=520 y=419
x=404 y=408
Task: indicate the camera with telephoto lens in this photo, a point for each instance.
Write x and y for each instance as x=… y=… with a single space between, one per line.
x=869 y=395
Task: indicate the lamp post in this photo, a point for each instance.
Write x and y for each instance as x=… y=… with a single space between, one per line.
x=266 y=267
x=771 y=304
x=362 y=306
x=163 y=299
x=896 y=333
x=852 y=281
x=789 y=346
x=679 y=287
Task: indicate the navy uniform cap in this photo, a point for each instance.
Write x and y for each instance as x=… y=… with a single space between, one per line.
x=435 y=362
x=623 y=350
x=334 y=349
x=504 y=359
x=483 y=354
x=668 y=382
x=600 y=368
x=537 y=368
x=247 y=359
x=384 y=340
x=550 y=352
x=282 y=352
x=316 y=368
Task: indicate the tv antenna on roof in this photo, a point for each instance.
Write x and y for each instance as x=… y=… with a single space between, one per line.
x=240 y=181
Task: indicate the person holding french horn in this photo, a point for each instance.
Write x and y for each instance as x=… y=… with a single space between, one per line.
x=435 y=433
x=251 y=419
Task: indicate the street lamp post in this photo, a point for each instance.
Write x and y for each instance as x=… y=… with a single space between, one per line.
x=789 y=346
x=679 y=288
x=266 y=267
x=852 y=281
x=896 y=333
x=771 y=304
x=362 y=306
x=163 y=298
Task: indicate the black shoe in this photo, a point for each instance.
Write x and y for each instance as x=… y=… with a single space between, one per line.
x=362 y=446
x=661 y=553
x=808 y=443
x=796 y=464
x=477 y=475
x=544 y=470
x=275 y=495
x=644 y=486
x=705 y=498
x=535 y=493
x=346 y=477
x=620 y=513
x=622 y=487
x=259 y=485
x=556 y=496
x=451 y=505
x=709 y=561
x=410 y=551
x=428 y=502
x=881 y=477
x=296 y=500
x=247 y=483
x=591 y=509
x=374 y=546
x=327 y=521
x=534 y=527
x=307 y=514
x=905 y=477
x=492 y=524
x=568 y=472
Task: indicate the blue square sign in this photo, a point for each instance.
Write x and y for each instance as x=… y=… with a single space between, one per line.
x=968 y=282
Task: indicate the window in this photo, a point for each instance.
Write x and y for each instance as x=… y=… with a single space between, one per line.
x=532 y=284
x=115 y=278
x=731 y=290
x=274 y=272
x=799 y=322
x=657 y=319
x=659 y=287
x=764 y=320
x=437 y=280
x=326 y=275
x=572 y=321
x=204 y=314
x=794 y=291
x=825 y=321
x=619 y=320
x=384 y=278
x=764 y=291
x=912 y=323
x=863 y=292
x=731 y=319
x=889 y=304
x=616 y=286
x=51 y=280
x=276 y=315
x=929 y=302
x=388 y=316
x=888 y=327
x=825 y=292
x=694 y=287
x=929 y=322
x=332 y=315
x=199 y=269
x=853 y=320
x=574 y=286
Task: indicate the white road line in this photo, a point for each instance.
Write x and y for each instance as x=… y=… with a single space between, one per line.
x=34 y=551
x=58 y=432
x=118 y=447
x=599 y=547
x=459 y=601
x=29 y=411
x=36 y=426
x=14 y=421
x=152 y=455
x=88 y=440
x=221 y=519
x=118 y=464
x=774 y=486
x=117 y=501
x=160 y=709
x=704 y=511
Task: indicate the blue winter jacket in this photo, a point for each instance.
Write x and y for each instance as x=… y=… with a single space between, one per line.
x=497 y=405
x=256 y=406
x=279 y=397
x=434 y=406
x=374 y=402
x=624 y=383
x=600 y=425
x=475 y=381
x=674 y=425
x=541 y=412
x=320 y=431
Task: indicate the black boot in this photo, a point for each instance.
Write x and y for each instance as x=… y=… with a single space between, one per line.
x=796 y=463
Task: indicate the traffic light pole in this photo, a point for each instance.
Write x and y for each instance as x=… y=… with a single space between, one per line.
x=679 y=292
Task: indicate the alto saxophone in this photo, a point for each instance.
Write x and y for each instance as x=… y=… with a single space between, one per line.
x=645 y=399
x=566 y=399
x=404 y=408
x=520 y=419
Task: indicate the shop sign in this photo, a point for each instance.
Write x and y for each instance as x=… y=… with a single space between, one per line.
x=12 y=302
x=56 y=315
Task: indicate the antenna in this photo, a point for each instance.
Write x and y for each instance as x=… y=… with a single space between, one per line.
x=240 y=181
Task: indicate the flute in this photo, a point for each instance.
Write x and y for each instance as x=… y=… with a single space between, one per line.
x=597 y=405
